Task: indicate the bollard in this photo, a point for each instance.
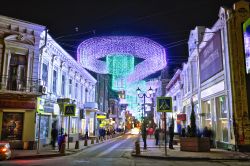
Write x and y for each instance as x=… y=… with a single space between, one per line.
x=77 y=145
x=62 y=149
x=137 y=148
x=86 y=142
x=92 y=140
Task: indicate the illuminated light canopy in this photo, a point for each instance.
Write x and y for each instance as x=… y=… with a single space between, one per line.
x=91 y=50
x=120 y=66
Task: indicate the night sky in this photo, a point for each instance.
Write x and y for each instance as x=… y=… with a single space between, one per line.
x=164 y=21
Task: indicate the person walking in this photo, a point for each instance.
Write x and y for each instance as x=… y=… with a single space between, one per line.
x=54 y=135
x=171 y=136
x=157 y=133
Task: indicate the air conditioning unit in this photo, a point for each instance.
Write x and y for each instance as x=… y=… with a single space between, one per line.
x=43 y=89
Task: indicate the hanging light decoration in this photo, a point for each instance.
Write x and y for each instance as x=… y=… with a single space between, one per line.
x=90 y=51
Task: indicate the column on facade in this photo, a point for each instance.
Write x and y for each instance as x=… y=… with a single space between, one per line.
x=7 y=56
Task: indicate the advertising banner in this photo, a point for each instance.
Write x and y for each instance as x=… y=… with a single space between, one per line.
x=210 y=59
x=12 y=126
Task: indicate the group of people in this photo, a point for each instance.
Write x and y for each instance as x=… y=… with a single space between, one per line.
x=160 y=135
x=56 y=138
x=206 y=132
x=103 y=132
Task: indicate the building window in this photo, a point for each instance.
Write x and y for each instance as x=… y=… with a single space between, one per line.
x=81 y=93
x=76 y=91
x=86 y=95
x=17 y=72
x=63 y=85
x=194 y=75
x=70 y=88
x=54 y=81
x=45 y=74
x=207 y=114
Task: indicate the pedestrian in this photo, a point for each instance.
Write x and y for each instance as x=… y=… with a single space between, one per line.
x=54 y=135
x=150 y=131
x=156 y=133
x=171 y=136
x=86 y=134
x=183 y=132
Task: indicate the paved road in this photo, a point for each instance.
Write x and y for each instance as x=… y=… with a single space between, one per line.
x=115 y=152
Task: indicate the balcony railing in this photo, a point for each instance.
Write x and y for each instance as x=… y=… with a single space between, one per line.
x=15 y=84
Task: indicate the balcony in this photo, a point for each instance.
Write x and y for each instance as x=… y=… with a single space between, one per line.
x=11 y=85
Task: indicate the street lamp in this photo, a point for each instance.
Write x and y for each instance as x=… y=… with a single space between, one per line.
x=144 y=96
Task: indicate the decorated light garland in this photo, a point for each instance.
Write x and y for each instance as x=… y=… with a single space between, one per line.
x=90 y=52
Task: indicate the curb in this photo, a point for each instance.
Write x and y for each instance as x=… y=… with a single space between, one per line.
x=188 y=158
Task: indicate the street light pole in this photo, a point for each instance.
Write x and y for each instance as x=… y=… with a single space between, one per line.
x=144 y=96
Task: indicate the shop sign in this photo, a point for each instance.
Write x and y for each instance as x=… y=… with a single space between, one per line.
x=99 y=116
x=195 y=98
x=210 y=59
x=63 y=100
x=164 y=104
x=186 y=102
x=181 y=117
x=56 y=109
x=25 y=104
x=40 y=104
x=69 y=109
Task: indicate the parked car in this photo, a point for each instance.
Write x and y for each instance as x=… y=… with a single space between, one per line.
x=5 y=152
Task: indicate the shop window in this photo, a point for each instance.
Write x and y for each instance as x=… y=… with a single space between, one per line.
x=222 y=117
x=207 y=111
x=44 y=126
x=74 y=123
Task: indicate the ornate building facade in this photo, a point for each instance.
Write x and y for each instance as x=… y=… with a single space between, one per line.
x=19 y=81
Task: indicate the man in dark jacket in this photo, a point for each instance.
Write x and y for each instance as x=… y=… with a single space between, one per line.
x=171 y=136
x=54 y=135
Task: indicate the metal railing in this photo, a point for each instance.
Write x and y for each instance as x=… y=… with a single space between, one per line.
x=15 y=83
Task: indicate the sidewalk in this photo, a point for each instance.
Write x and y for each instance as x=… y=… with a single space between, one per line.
x=47 y=151
x=158 y=152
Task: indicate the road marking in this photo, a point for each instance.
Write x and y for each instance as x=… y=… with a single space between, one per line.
x=81 y=161
x=112 y=147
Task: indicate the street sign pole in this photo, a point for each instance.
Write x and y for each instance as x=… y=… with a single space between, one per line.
x=165 y=133
x=68 y=131
x=39 y=128
x=164 y=104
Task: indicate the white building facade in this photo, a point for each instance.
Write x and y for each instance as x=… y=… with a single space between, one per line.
x=63 y=78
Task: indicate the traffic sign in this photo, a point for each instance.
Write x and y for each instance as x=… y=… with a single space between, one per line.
x=164 y=104
x=69 y=109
